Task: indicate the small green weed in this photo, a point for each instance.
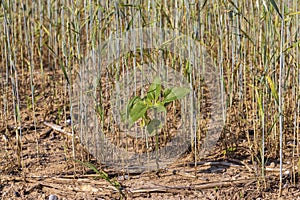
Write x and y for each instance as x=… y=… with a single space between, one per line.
x=103 y=176
x=156 y=99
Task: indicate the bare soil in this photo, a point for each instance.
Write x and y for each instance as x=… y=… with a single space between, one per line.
x=51 y=169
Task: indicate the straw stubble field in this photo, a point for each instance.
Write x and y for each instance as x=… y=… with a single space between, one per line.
x=254 y=48
x=222 y=175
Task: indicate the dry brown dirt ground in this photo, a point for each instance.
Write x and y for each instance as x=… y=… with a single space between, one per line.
x=52 y=171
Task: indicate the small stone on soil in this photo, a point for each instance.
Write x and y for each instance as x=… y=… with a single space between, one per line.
x=53 y=197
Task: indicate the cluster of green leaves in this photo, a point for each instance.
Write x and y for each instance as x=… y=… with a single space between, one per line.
x=156 y=99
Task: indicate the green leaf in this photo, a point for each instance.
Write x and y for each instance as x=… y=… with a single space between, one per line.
x=131 y=103
x=153 y=125
x=176 y=93
x=166 y=92
x=259 y=101
x=64 y=71
x=101 y=174
x=160 y=107
x=154 y=90
x=126 y=114
x=273 y=89
x=138 y=110
x=133 y=100
x=276 y=8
